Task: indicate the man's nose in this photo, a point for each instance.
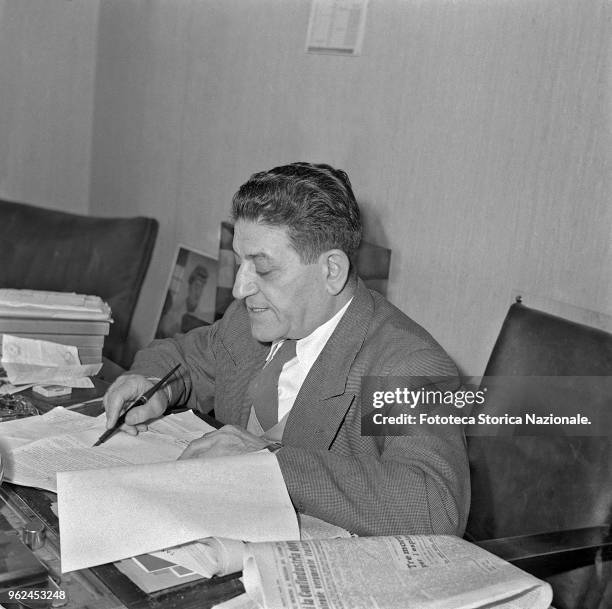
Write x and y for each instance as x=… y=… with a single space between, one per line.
x=244 y=283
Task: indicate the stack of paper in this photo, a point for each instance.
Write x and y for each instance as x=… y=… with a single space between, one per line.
x=78 y=321
x=52 y=305
x=150 y=501
x=194 y=516
x=59 y=317
x=87 y=336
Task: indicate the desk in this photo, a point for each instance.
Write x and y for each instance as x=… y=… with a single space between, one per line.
x=103 y=587
x=109 y=372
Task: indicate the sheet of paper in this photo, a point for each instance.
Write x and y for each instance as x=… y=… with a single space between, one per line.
x=151 y=574
x=67 y=376
x=26 y=360
x=53 y=423
x=139 y=509
x=208 y=557
x=336 y=26
x=37 y=463
x=7 y=388
x=40 y=303
x=315 y=528
x=83 y=382
x=215 y=556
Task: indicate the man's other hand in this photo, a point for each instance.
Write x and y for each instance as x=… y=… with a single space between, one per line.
x=224 y=442
x=124 y=391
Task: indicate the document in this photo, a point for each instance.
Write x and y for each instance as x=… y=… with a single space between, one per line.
x=29 y=361
x=215 y=556
x=402 y=572
x=56 y=305
x=7 y=388
x=56 y=422
x=208 y=557
x=139 y=509
x=37 y=462
x=152 y=574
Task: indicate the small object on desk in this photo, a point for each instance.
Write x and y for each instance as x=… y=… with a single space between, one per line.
x=143 y=399
x=15 y=407
x=34 y=534
x=52 y=391
x=19 y=566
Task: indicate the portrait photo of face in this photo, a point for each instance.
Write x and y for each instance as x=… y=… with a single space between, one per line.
x=189 y=300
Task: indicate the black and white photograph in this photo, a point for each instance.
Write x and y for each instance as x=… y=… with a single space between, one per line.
x=306 y=304
x=189 y=299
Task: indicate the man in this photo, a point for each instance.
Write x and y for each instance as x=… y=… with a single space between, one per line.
x=180 y=317
x=197 y=280
x=296 y=228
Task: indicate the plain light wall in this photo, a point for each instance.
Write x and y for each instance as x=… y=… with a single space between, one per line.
x=476 y=134
x=47 y=70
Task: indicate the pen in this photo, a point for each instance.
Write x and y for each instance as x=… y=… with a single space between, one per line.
x=143 y=399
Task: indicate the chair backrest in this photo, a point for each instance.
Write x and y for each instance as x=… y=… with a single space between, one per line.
x=526 y=484
x=45 y=249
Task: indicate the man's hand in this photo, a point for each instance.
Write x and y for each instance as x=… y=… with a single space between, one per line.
x=124 y=391
x=224 y=442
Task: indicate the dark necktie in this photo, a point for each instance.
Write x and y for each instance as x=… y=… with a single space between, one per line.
x=263 y=389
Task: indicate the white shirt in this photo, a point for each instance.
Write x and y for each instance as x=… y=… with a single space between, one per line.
x=307 y=350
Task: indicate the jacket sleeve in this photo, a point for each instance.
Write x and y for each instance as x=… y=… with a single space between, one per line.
x=194 y=384
x=414 y=483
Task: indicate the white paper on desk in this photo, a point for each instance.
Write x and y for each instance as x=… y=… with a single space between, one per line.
x=60 y=305
x=37 y=463
x=208 y=557
x=140 y=509
x=26 y=360
x=7 y=388
x=399 y=572
x=315 y=528
x=218 y=556
x=56 y=422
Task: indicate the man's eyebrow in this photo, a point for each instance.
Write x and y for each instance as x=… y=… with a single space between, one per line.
x=262 y=256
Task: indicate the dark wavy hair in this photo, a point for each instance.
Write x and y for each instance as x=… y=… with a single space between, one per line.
x=315 y=202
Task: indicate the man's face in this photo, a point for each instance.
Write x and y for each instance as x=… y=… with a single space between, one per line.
x=284 y=297
x=194 y=293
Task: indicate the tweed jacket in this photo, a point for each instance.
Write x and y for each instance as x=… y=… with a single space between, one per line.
x=417 y=483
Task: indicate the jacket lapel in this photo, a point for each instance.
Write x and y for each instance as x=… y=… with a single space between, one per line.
x=247 y=357
x=324 y=397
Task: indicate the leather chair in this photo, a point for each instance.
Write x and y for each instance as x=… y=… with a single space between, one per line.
x=44 y=249
x=545 y=502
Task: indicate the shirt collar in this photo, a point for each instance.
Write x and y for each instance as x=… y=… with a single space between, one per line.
x=308 y=348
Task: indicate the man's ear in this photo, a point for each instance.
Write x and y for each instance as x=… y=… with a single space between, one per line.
x=335 y=266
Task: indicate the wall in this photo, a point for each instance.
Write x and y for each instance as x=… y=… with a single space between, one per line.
x=47 y=70
x=476 y=133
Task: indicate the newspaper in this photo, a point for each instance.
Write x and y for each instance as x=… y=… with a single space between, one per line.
x=219 y=556
x=403 y=572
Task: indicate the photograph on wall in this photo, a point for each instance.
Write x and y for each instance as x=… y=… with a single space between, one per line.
x=189 y=300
